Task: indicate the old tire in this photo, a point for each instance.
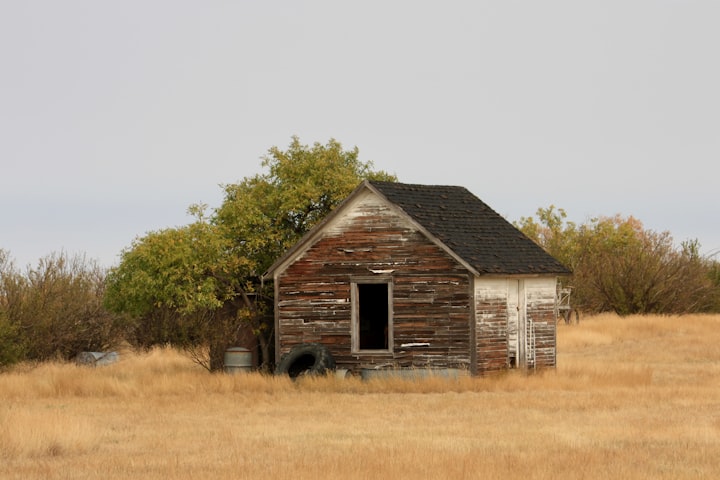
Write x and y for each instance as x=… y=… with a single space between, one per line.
x=306 y=359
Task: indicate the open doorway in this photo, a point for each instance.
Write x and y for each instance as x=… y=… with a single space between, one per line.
x=371 y=319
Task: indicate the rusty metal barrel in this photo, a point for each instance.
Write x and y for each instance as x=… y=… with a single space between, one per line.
x=237 y=359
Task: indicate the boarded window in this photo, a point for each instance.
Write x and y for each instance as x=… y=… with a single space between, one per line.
x=372 y=325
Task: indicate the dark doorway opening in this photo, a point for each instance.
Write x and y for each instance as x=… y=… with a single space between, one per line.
x=373 y=315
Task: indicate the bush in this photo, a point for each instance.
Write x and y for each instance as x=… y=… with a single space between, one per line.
x=11 y=348
x=55 y=311
x=620 y=266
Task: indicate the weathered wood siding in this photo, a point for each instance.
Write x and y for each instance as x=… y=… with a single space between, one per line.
x=491 y=330
x=430 y=291
x=512 y=311
x=540 y=310
x=433 y=309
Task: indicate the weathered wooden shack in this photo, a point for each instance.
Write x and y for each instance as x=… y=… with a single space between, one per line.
x=421 y=276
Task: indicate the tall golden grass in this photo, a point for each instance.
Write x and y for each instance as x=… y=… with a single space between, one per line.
x=635 y=397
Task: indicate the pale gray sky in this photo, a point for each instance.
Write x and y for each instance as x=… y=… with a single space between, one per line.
x=116 y=116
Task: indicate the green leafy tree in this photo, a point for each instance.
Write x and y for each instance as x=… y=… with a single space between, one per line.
x=266 y=214
x=199 y=284
x=183 y=286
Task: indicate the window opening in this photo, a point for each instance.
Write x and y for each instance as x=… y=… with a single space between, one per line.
x=373 y=315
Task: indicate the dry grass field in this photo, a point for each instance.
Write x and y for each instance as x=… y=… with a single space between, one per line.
x=635 y=397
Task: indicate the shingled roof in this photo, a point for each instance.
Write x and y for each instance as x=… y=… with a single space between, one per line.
x=470 y=228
